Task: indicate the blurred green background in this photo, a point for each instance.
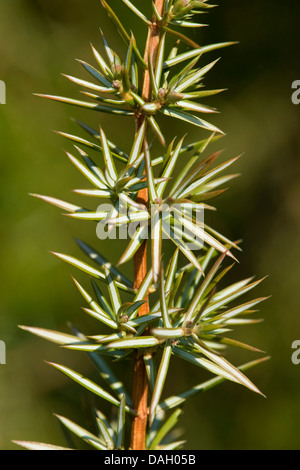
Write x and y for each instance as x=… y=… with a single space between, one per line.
x=39 y=40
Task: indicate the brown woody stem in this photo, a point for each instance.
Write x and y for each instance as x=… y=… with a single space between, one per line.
x=140 y=385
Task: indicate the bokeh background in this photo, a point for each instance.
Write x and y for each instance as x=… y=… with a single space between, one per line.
x=39 y=40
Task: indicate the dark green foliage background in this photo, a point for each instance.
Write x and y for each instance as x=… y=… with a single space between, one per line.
x=38 y=40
